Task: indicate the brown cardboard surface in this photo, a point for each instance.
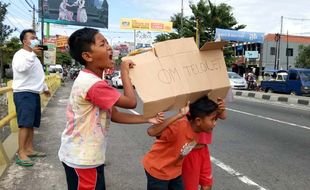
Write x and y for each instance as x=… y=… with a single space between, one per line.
x=177 y=71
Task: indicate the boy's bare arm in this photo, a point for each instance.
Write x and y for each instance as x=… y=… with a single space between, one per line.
x=221 y=109
x=128 y=100
x=127 y=118
x=156 y=129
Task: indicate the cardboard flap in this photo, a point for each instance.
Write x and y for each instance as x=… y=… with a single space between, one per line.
x=213 y=45
x=173 y=47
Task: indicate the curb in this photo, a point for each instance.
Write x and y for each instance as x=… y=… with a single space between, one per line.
x=284 y=98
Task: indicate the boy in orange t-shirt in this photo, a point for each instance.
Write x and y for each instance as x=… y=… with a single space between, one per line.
x=196 y=168
x=176 y=137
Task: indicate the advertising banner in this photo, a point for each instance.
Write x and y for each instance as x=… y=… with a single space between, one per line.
x=50 y=54
x=145 y=24
x=76 y=12
x=251 y=54
x=239 y=36
x=61 y=41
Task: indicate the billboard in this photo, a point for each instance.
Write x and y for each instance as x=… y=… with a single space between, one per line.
x=50 y=54
x=145 y=24
x=76 y=12
x=239 y=36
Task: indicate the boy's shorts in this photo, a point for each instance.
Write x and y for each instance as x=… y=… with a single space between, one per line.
x=159 y=184
x=82 y=179
x=197 y=169
x=28 y=109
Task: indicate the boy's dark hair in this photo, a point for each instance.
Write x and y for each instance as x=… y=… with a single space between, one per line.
x=80 y=41
x=24 y=32
x=201 y=108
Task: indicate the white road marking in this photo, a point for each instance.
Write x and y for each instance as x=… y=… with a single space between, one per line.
x=134 y=112
x=227 y=168
x=232 y=172
x=270 y=119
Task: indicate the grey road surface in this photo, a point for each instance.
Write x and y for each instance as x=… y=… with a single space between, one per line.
x=260 y=146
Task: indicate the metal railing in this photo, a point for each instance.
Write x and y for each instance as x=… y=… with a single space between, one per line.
x=9 y=146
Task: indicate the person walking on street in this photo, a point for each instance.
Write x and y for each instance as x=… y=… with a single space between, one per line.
x=28 y=83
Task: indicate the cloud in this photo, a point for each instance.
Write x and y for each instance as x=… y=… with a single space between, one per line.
x=258 y=15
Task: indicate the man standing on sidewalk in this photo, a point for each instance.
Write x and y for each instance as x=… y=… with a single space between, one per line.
x=28 y=83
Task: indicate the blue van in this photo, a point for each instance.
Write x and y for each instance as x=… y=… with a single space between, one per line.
x=297 y=82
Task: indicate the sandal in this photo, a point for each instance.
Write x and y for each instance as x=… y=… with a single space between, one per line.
x=26 y=163
x=37 y=154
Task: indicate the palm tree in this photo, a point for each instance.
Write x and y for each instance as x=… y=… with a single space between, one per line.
x=212 y=16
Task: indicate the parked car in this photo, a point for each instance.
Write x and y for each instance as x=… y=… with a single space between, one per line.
x=294 y=81
x=56 y=69
x=236 y=81
x=116 y=79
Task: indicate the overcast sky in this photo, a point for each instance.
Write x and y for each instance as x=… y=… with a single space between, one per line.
x=259 y=15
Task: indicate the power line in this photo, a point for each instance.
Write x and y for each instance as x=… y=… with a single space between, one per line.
x=18 y=6
x=25 y=4
x=301 y=19
x=12 y=24
x=19 y=23
x=30 y=5
x=20 y=9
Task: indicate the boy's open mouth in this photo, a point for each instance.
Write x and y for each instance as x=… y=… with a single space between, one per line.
x=111 y=57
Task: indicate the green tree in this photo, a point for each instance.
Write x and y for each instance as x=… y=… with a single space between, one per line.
x=5 y=31
x=63 y=58
x=303 y=58
x=209 y=17
x=10 y=48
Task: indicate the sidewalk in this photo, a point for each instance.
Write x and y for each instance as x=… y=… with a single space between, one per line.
x=283 y=98
x=47 y=173
x=123 y=168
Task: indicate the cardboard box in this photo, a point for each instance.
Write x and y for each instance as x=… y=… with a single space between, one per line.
x=177 y=71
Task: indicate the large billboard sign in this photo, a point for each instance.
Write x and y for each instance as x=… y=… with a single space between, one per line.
x=50 y=54
x=76 y=12
x=145 y=24
x=239 y=36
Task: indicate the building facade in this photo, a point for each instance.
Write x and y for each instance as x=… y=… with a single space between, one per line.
x=280 y=51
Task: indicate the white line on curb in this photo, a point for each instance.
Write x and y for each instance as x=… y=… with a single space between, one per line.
x=226 y=168
x=269 y=118
x=279 y=104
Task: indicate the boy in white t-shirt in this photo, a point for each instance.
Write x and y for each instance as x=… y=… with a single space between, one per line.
x=90 y=109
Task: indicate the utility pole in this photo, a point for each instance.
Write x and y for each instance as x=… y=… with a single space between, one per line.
x=182 y=8
x=279 y=43
x=42 y=32
x=197 y=33
x=287 y=60
x=33 y=15
x=276 y=39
